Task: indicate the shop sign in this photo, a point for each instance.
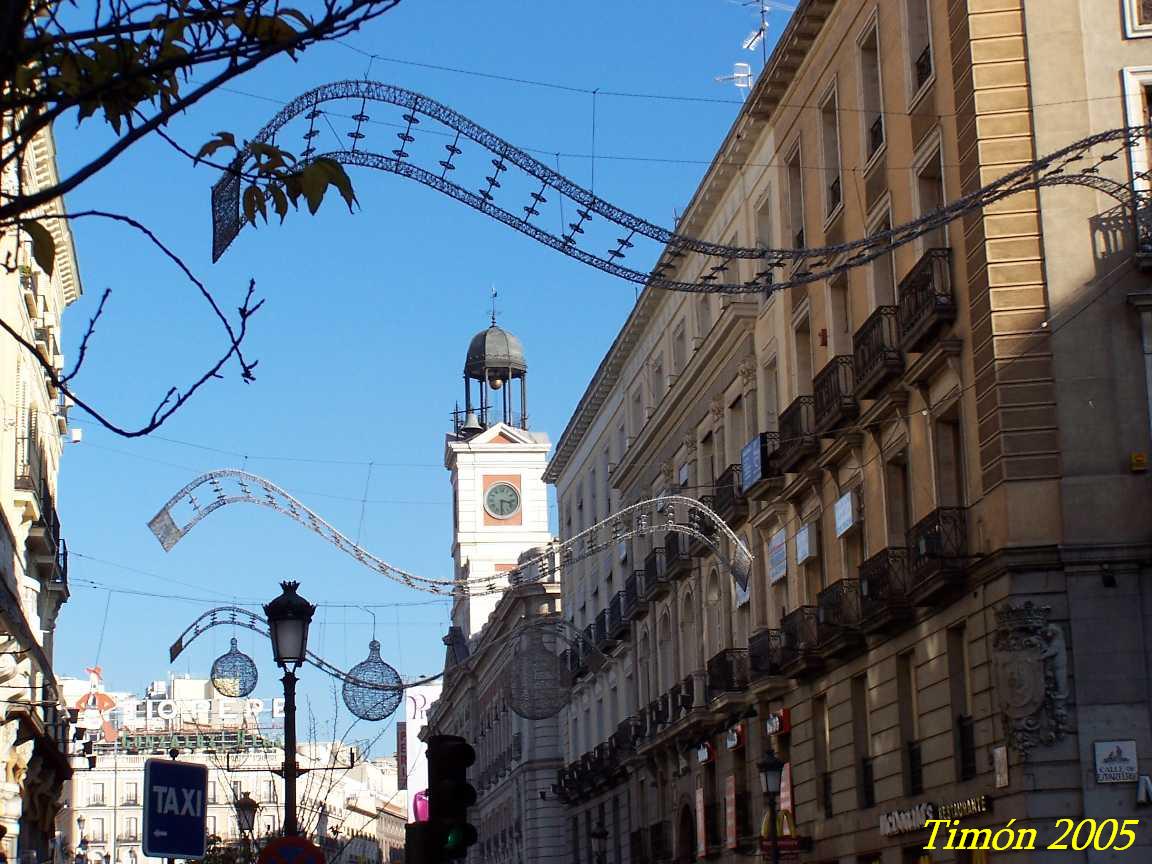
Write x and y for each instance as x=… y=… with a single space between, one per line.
x=735 y=737
x=845 y=512
x=701 y=826
x=778 y=722
x=784 y=805
x=704 y=753
x=1116 y=761
x=973 y=806
x=778 y=556
x=1000 y=763
x=906 y=821
x=751 y=464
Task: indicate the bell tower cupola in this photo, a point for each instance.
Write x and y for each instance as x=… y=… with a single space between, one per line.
x=495 y=363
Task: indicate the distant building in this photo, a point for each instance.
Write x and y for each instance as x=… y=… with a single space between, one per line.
x=33 y=556
x=344 y=802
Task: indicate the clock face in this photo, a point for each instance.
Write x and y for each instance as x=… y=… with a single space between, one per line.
x=502 y=500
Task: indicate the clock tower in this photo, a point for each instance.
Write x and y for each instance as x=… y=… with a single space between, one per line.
x=500 y=500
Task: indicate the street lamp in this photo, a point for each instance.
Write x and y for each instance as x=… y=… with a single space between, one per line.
x=771 y=772
x=246 y=819
x=599 y=836
x=288 y=618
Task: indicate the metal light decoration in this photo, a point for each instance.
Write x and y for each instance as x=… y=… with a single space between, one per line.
x=538 y=681
x=364 y=693
x=234 y=674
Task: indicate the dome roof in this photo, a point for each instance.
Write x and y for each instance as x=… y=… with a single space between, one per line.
x=494 y=348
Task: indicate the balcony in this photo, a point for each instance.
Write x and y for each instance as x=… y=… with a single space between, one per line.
x=833 y=394
x=627 y=735
x=797 y=434
x=658 y=716
x=656 y=581
x=936 y=554
x=1142 y=216
x=926 y=301
x=876 y=356
x=635 y=607
x=727 y=672
x=759 y=466
x=54 y=568
x=799 y=640
x=677 y=561
x=764 y=655
x=44 y=534
x=731 y=505
x=697 y=548
x=838 y=618
x=884 y=590
x=600 y=631
x=617 y=621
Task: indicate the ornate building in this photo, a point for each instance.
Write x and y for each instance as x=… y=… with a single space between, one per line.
x=33 y=555
x=939 y=458
x=503 y=641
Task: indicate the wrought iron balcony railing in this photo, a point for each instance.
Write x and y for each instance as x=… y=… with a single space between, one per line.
x=1142 y=217
x=677 y=561
x=926 y=300
x=884 y=589
x=838 y=617
x=731 y=506
x=833 y=394
x=697 y=547
x=759 y=464
x=634 y=606
x=937 y=547
x=617 y=620
x=656 y=581
x=797 y=433
x=876 y=355
x=799 y=640
x=727 y=672
x=764 y=654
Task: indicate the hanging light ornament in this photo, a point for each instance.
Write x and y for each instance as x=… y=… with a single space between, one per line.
x=234 y=674
x=363 y=695
x=538 y=682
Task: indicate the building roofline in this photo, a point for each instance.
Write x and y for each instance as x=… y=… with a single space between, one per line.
x=771 y=86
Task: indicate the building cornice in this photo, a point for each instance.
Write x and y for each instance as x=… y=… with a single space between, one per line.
x=772 y=85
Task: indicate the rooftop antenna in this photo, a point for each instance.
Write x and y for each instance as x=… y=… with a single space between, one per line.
x=758 y=37
x=741 y=77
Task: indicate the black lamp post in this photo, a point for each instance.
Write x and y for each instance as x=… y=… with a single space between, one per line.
x=771 y=771
x=288 y=618
x=246 y=820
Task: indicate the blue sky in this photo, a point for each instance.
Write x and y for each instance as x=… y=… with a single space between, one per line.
x=362 y=338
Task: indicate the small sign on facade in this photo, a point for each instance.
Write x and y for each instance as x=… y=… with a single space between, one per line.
x=1116 y=762
x=1000 y=764
x=778 y=556
x=845 y=512
x=806 y=545
x=735 y=736
x=778 y=722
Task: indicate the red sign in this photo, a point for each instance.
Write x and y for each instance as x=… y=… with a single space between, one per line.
x=730 y=811
x=701 y=826
x=291 y=850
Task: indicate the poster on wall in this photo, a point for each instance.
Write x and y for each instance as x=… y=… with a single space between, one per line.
x=701 y=825
x=417 y=701
x=730 y=812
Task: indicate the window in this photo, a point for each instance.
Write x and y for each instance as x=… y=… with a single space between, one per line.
x=881 y=271
x=796 y=199
x=898 y=498
x=872 y=93
x=802 y=338
x=919 y=43
x=97 y=794
x=1137 y=83
x=211 y=825
x=211 y=791
x=930 y=198
x=959 y=682
x=830 y=138
x=657 y=369
x=1138 y=17
x=98 y=825
x=679 y=349
x=237 y=789
x=132 y=793
x=862 y=744
x=771 y=397
x=637 y=412
x=703 y=315
x=909 y=723
x=822 y=753
x=765 y=240
x=852 y=546
x=269 y=790
x=133 y=829
x=594 y=511
x=840 y=315
x=949 y=460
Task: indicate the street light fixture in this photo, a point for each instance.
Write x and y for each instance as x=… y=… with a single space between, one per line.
x=771 y=773
x=246 y=813
x=288 y=618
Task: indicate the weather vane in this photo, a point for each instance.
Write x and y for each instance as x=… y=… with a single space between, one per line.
x=493 y=305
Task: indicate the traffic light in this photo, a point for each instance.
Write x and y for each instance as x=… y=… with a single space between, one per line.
x=449 y=796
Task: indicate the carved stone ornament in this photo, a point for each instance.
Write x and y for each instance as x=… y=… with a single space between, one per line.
x=747 y=376
x=1031 y=664
x=690 y=446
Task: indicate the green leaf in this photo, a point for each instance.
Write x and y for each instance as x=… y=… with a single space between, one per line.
x=313 y=182
x=43 y=246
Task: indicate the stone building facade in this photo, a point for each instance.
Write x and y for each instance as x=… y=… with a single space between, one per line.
x=33 y=554
x=939 y=459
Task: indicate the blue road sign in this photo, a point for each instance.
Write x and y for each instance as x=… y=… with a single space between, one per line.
x=175 y=811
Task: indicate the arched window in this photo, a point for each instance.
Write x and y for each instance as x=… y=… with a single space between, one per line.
x=713 y=637
x=664 y=645
x=645 y=669
x=689 y=636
